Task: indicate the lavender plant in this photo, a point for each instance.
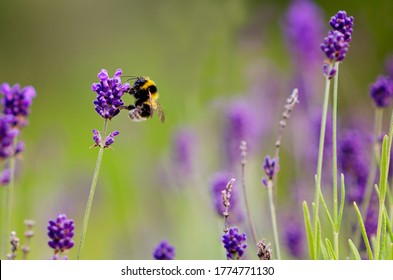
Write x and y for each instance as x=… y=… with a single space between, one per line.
x=108 y=104
x=16 y=107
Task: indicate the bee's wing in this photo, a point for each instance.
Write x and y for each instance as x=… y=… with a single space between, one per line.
x=160 y=112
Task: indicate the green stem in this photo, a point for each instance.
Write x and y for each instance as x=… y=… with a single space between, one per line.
x=336 y=250
x=250 y=221
x=91 y=194
x=9 y=200
x=335 y=191
x=320 y=159
x=273 y=217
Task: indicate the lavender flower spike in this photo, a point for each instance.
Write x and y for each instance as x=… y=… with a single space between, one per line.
x=334 y=46
x=110 y=139
x=17 y=102
x=7 y=136
x=234 y=243
x=109 y=93
x=270 y=169
x=342 y=23
x=60 y=232
x=164 y=251
x=382 y=91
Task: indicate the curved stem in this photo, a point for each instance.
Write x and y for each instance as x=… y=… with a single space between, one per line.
x=273 y=217
x=91 y=194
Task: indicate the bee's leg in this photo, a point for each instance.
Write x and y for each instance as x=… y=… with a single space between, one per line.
x=129 y=107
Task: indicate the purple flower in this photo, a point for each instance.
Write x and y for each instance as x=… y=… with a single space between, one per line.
x=241 y=125
x=164 y=251
x=382 y=91
x=294 y=238
x=20 y=147
x=183 y=146
x=303 y=29
x=342 y=23
x=61 y=231
x=17 y=102
x=234 y=243
x=7 y=136
x=96 y=138
x=371 y=221
x=110 y=139
x=270 y=167
x=5 y=176
x=335 y=46
x=109 y=93
x=354 y=165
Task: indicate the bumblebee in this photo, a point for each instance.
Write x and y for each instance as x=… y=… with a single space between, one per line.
x=146 y=100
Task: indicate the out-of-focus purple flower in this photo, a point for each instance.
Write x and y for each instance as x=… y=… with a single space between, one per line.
x=20 y=147
x=5 y=176
x=382 y=91
x=109 y=93
x=17 y=102
x=353 y=162
x=110 y=139
x=60 y=232
x=96 y=138
x=342 y=23
x=334 y=46
x=184 y=142
x=7 y=136
x=303 y=29
x=270 y=167
x=371 y=221
x=164 y=251
x=241 y=125
x=234 y=243
x=294 y=238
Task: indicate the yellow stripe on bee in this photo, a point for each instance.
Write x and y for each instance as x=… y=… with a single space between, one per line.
x=148 y=83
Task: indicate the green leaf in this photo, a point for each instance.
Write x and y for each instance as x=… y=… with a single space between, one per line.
x=307 y=223
x=326 y=209
x=330 y=249
x=319 y=238
x=354 y=250
x=388 y=225
x=364 y=233
x=383 y=240
x=325 y=255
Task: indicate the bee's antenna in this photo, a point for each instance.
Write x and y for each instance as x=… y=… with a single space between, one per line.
x=131 y=77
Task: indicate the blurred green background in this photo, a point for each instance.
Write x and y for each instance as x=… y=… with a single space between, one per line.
x=197 y=52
